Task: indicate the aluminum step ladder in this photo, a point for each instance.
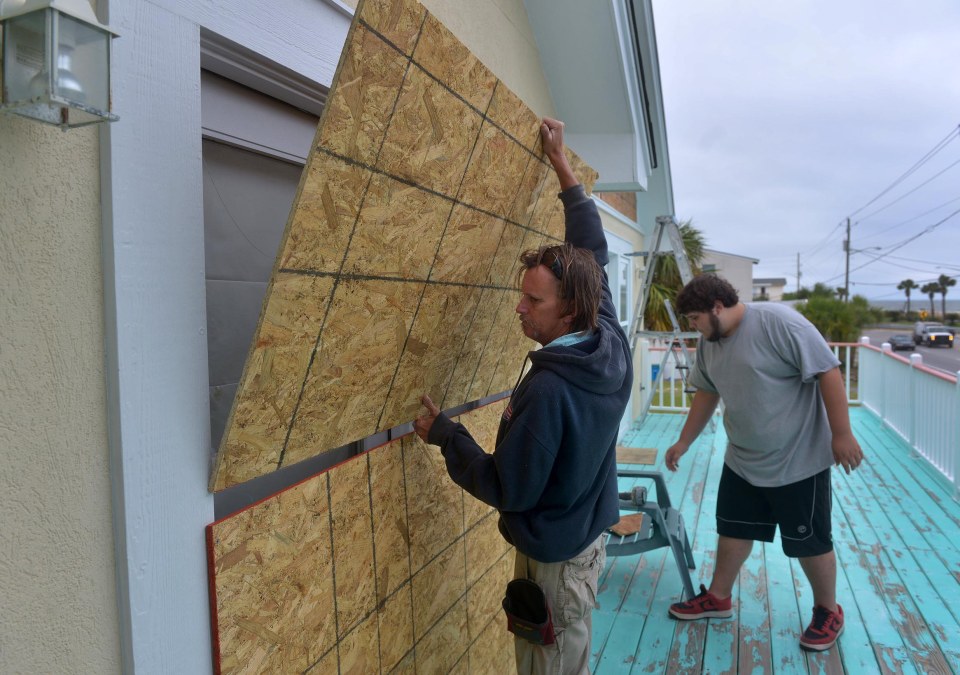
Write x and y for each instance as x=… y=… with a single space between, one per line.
x=667 y=227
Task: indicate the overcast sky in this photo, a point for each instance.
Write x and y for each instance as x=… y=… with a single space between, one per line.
x=783 y=118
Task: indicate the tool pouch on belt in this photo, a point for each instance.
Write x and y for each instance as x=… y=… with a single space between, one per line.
x=528 y=615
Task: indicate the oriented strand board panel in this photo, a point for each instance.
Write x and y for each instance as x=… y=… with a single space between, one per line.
x=382 y=562
x=631 y=455
x=396 y=274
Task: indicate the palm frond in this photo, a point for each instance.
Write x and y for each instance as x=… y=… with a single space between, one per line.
x=666 y=277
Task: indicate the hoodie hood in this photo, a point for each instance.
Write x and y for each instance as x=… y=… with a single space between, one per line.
x=598 y=364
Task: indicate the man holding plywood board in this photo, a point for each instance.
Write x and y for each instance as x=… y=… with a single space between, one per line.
x=552 y=475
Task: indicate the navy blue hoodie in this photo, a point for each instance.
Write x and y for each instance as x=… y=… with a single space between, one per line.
x=553 y=475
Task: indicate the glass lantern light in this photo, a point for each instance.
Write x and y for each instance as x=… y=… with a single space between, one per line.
x=55 y=62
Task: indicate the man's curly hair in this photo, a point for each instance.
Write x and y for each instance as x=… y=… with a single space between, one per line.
x=702 y=293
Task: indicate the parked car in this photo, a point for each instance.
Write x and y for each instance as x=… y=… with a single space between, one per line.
x=901 y=341
x=932 y=334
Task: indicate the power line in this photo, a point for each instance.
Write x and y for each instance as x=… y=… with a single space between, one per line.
x=893 y=264
x=909 y=220
x=824 y=241
x=899 y=245
x=925 y=262
x=923 y=160
x=907 y=194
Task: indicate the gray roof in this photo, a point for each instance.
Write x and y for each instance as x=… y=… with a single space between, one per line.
x=770 y=282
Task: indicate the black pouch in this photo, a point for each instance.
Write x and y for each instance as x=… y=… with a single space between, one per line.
x=528 y=615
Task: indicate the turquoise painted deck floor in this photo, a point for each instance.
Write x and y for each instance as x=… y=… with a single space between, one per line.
x=896 y=530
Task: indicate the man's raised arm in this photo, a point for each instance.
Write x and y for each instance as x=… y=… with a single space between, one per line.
x=583 y=227
x=551 y=134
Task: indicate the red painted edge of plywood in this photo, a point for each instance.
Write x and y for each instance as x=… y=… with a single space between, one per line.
x=212 y=584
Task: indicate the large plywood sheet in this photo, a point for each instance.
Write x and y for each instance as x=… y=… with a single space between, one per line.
x=396 y=273
x=382 y=562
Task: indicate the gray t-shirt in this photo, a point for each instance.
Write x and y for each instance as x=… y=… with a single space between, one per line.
x=766 y=374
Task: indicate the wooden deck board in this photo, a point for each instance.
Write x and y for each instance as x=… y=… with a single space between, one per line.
x=934 y=633
x=785 y=618
x=721 y=636
x=896 y=527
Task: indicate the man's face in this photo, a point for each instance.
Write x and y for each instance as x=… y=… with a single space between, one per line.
x=707 y=323
x=540 y=308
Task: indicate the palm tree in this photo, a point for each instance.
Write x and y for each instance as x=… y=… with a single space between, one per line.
x=841 y=292
x=906 y=286
x=945 y=282
x=931 y=289
x=666 y=277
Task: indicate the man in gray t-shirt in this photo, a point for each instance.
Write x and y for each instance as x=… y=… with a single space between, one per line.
x=785 y=414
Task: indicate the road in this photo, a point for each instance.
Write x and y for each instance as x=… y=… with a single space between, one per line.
x=941 y=358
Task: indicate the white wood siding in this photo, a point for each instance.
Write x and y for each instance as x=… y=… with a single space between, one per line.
x=154 y=287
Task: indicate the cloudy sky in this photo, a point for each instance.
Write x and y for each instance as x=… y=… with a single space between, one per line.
x=784 y=118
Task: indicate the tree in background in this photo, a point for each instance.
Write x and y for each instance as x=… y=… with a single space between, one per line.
x=944 y=282
x=666 y=278
x=906 y=286
x=839 y=321
x=819 y=290
x=931 y=290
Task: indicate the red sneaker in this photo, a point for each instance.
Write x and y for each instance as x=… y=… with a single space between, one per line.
x=824 y=630
x=705 y=605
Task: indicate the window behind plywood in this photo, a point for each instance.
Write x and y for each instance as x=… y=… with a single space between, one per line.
x=254 y=149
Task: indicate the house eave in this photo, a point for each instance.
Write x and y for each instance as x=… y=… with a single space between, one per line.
x=600 y=60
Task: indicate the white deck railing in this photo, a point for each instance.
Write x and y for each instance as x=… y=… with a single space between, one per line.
x=669 y=395
x=920 y=404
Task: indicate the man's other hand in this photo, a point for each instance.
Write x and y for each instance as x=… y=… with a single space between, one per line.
x=847 y=452
x=424 y=423
x=674 y=453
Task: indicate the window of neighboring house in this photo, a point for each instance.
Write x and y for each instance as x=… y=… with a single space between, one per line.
x=254 y=150
x=709 y=267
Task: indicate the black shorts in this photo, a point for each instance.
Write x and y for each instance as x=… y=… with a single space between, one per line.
x=801 y=509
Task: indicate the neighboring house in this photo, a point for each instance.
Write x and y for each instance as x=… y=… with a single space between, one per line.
x=769 y=289
x=105 y=402
x=737 y=269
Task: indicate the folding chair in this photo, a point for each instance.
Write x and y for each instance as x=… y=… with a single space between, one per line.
x=662 y=525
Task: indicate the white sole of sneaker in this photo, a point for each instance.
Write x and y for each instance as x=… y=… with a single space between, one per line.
x=702 y=615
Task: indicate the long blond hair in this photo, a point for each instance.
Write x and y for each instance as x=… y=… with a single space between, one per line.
x=580 y=280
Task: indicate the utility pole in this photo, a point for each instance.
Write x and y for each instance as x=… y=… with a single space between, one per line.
x=846 y=276
x=798 y=273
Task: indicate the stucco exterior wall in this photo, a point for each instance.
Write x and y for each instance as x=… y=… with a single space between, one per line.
x=57 y=586
x=499 y=34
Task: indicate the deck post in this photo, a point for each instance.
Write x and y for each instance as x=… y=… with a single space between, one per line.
x=884 y=367
x=955 y=460
x=916 y=360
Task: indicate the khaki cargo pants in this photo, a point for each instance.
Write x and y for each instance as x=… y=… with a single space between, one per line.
x=571 y=590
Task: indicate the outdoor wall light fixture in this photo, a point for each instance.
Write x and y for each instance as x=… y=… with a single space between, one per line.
x=55 y=59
